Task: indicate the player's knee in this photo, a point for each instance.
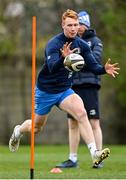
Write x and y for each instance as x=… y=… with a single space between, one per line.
x=81 y=115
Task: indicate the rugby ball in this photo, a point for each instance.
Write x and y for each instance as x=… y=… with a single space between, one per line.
x=74 y=62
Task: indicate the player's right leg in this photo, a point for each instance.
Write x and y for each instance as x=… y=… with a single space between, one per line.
x=43 y=105
x=18 y=132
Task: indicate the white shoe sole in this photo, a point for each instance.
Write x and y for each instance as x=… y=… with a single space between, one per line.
x=14 y=142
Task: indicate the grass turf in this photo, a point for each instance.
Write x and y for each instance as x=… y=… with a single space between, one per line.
x=17 y=165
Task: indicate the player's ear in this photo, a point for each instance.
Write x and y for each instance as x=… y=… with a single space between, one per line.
x=63 y=24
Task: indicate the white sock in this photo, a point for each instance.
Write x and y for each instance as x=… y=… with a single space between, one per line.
x=17 y=132
x=92 y=148
x=73 y=157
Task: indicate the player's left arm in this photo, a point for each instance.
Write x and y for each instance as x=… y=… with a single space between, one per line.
x=95 y=67
x=90 y=61
x=97 y=50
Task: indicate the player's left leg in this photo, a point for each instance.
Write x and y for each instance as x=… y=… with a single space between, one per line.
x=73 y=105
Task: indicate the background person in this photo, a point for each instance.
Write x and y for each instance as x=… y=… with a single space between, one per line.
x=86 y=85
x=54 y=86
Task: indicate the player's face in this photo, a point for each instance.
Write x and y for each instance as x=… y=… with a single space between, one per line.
x=70 y=27
x=81 y=30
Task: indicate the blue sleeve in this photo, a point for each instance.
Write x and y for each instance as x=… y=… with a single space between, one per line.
x=54 y=59
x=91 y=62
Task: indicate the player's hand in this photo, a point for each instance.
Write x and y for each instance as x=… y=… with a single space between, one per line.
x=65 y=51
x=112 y=69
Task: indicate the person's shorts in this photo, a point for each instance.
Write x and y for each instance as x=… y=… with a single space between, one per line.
x=45 y=101
x=90 y=99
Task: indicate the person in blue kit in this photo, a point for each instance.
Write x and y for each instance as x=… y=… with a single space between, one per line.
x=86 y=84
x=54 y=86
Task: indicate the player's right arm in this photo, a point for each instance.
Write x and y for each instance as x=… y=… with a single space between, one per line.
x=53 y=56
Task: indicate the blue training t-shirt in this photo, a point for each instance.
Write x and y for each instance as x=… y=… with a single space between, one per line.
x=54 y=77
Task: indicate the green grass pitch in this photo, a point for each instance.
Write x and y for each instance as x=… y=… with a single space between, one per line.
x=17 y=165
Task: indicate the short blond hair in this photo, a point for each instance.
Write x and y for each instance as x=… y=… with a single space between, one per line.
x=69 y=13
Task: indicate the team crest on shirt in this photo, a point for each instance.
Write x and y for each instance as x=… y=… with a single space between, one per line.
x=78 y=51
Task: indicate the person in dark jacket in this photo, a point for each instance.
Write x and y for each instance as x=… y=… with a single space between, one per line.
x=86 y=84
x=54 y=86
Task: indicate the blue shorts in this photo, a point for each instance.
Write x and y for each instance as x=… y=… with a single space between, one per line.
x=45 y=101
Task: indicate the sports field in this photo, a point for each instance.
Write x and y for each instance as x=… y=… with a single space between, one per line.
x=17 y=165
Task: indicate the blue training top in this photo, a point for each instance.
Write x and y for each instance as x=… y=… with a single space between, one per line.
x=54 y=77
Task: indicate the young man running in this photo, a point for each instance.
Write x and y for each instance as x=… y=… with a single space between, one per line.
x=54 y=86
